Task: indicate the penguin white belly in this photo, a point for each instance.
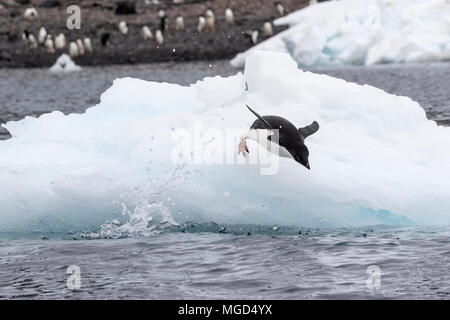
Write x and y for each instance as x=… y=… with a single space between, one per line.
x=261 y=135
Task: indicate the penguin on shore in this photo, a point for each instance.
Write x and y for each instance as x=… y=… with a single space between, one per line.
x=210 y=20
x=289 y=141
x=268 y=29
x=49 y=44
x=105 y=39
x=179 y=23
x=253 y=36
x=123 y=28
x=146 y=33
x=280 y=8
x=60 y=41
x=163 y=21
x=42 y=36
x=87 y=44
x=201 y=23
x=29 y=39
x=30 y=13
x=159 y=37
x=80 y=46
x=73 y=49
x=229 y=16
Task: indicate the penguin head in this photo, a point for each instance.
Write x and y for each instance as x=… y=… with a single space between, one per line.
x=301 y=154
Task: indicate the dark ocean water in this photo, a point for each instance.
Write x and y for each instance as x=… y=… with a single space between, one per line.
x=318 y=264
x=210 y=261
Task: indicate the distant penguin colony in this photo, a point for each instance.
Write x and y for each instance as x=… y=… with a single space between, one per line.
x=81 y=46
x=279 y=136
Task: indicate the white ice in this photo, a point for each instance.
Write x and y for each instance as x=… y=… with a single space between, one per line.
x=354 y=32
x=64 y=64
x=375 y=160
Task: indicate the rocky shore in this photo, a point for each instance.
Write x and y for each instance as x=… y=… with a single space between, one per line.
x=101 y=17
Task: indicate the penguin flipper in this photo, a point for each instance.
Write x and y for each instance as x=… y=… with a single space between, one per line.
x=260 y=118
x=309 y=130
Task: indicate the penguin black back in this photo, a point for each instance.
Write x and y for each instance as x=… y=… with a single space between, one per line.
x=287 y=135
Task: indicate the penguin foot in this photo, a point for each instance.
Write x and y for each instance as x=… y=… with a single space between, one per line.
x=242 y=147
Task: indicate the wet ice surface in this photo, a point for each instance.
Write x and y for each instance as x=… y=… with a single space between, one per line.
x=323 y=264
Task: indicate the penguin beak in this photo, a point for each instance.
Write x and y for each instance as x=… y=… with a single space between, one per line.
x=307 y=166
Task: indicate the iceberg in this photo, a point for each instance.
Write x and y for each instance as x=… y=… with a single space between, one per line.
x=64 y=64
x=353 y=32
x=156 y=153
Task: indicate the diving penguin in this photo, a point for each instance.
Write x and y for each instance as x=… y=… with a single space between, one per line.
x=279 y=136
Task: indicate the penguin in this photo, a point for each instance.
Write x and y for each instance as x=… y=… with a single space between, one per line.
x=201 y=23
x=25 y=35
x=159 y=37
x=163 y=20
x=30 y=13
x=146 y=33
x=269 y=130
x=268 y=29
x=280 y=8
x=210 y=20
x=254 y=36
x=104 y=39
x=87 y=44
x=312 y=2
x=49 y=44
x=60 y=41
x=123 y=27
x=42 y=35
x=229 y=17
x=179 y=23
x=31 y=40
x=80 y=46
x=73 y=49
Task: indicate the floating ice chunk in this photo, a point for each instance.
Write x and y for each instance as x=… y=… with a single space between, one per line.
x=363 y=32
x=376 y=159
x=64 y=64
